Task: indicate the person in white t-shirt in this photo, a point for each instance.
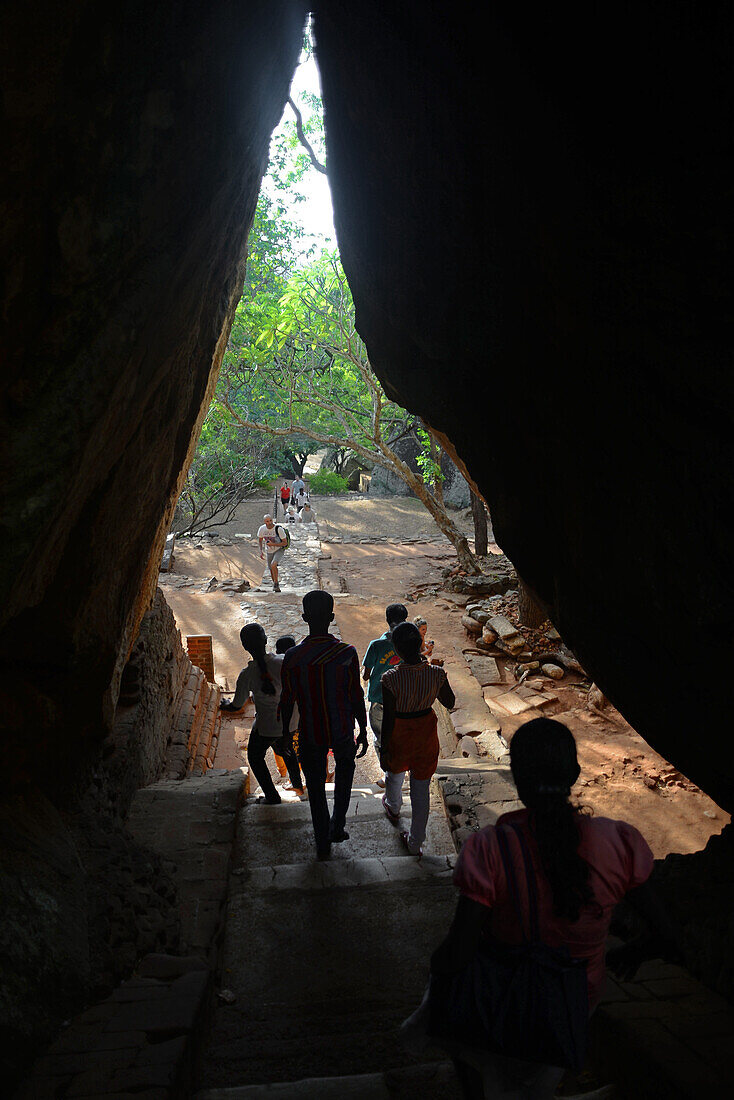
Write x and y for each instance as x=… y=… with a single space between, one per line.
x=272 y=538
x=301 y=498
x=261 y=679
x=298 y=486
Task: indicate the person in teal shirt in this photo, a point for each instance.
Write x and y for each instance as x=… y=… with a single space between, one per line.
x=381 y=656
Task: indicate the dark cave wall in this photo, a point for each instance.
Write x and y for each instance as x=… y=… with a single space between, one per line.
x=138 y=136
x=535 y=218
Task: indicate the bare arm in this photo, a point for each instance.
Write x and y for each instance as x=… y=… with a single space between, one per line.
x=446 y=695
x=357 y=701
x=241 y=694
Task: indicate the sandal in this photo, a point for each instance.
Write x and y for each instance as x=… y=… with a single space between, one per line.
x=404 y=837
x=393 y=818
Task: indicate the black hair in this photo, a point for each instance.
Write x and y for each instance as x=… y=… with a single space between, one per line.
x=407 y=641
x=396 y=613
x=285 y=643
x=318 y=605
x=254 y=640
x=545 y=767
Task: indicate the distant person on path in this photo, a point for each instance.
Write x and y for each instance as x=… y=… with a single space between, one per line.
x=307 y=513
x=272 y=537
x=297 y=486
x=282 y=645
x=410 y=732
x=285 y=495
x=262 y=680
x=321 y=675
x=301 y=497
x=291 y=516
x=381 y=656
x=583 y=866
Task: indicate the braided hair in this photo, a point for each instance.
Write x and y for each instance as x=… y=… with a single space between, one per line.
x=545 y=767
x=254 y=640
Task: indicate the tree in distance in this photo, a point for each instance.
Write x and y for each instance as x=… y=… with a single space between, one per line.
x=307 y=373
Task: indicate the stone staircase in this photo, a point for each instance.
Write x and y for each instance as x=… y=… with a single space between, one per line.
x=322 y=961
x=195 y=729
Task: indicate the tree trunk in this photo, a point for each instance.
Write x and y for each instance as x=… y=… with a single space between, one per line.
x=480 y=525
x=444 y=522
x=297 y=463
x=530 y=613
x=438 y=483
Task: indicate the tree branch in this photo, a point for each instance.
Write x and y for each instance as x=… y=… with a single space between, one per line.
x=304 y=140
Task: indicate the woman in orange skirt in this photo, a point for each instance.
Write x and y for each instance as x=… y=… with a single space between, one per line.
x=409 y=731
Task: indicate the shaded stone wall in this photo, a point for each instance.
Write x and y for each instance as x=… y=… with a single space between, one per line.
x=138 y=136
x=535 y=220
x=82 y=901
x=135 y=141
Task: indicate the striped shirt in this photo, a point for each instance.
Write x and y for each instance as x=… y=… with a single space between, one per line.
x=321 y=675
x=415 y=687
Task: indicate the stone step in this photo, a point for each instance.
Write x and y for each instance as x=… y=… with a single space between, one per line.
x=326 y=959
x=268 y=836
x=338 y=873
x=324 y=976
x=432 y=1081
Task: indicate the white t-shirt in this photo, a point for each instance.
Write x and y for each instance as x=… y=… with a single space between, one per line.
x=267 y=719
x=301 y=498
x=272 y=537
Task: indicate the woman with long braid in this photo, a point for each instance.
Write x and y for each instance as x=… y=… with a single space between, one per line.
x=261 y=679
x=582 y=866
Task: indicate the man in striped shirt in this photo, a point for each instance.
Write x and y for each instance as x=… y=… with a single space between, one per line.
x=321 y=675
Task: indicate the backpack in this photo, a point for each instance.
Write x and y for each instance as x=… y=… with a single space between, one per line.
x=286 y=534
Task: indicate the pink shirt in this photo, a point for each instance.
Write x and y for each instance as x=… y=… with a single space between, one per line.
x=619 y=859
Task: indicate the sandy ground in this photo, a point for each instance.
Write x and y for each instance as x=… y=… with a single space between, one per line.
x=351 y=514
x=622 y=776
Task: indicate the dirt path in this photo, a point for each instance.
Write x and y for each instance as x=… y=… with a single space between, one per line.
x=622 y=776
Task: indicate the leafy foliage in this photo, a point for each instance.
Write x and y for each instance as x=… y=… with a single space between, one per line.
x=327 y=481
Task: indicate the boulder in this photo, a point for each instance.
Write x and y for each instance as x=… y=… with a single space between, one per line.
x=492 y=743
x=471 y=625
x=554 y=671
x=467 y=747
x=509 y=638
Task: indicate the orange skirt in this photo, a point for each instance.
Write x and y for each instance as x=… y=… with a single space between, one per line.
x=414 y=746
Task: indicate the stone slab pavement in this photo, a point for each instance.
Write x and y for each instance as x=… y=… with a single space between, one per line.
x=271 y=835
x=326 y=959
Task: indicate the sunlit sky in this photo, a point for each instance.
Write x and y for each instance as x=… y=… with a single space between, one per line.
x=315 y=214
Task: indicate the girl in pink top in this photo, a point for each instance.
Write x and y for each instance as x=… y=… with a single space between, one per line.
x=584 y=866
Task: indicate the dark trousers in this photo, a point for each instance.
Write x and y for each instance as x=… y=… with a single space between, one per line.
x=257 y=746
x=313 y=762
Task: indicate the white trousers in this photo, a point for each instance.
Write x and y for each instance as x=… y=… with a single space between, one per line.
x=420 y=804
